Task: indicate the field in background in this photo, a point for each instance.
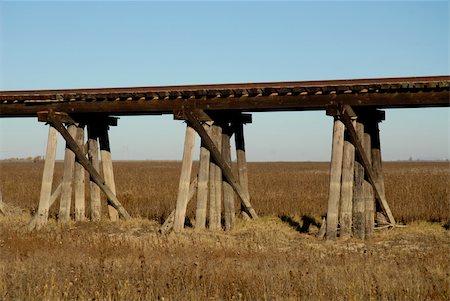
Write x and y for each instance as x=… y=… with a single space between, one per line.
x=272 y=258
x=414 y=190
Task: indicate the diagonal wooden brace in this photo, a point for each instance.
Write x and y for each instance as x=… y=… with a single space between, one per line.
x=220 y=161
x=345 y=115
x=55 y=121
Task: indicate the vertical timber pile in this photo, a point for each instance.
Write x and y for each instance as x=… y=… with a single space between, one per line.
x=241 y=160
x=93 y=158
x=359 y=221
x=348 y=167
x=80 y=207
x=335 y=178
x=202 y=188
x=355 y=175
x=107 y=166
x=216 y=182
x=228 y=193
x=66 y=188
x=75 y=165
x=47 y=179
x=185 y=179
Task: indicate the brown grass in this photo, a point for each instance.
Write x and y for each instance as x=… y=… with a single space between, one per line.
x=267 y=259
x=415 y=191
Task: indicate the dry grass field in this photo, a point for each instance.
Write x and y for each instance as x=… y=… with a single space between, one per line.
x=276 y=257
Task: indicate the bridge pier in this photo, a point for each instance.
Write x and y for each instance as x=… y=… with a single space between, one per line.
x=356 y=180
x=75 y=164
x=216 y=183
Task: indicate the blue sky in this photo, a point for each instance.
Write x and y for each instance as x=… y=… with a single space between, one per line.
x=52 y=45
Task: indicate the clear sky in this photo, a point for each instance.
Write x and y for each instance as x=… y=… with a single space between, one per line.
x=53 y=45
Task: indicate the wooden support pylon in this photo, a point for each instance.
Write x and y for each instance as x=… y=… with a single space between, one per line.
x=215 y=207
x=377 y=167
x=185 y=177
x=55 y=195
x=55 y=121
x=67 y=181
x=357 y=142
x=369 y=200
x=47 y=179
x=335 y=179
x=346 y=207
x=80 y=177
x=220 y=161
x=107 y=166
x=228 y=193
x=95 y=204
x=203 y=178
x=359 y=221
x=168 y=223
x=241 y=161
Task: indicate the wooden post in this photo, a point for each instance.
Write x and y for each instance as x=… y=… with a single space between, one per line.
x=55 y=120
x=348 y=167
x=55 y=195
x=107 y=166
x=79 y=180
x=241 y=161
x=168 y=223
x=359 y=222
x=377 y=168
x=220 y=161
x=93 y=158
x=47 y=179
x=185 y=178
x=202 y=190
x=66 y=188
x=335 y=179
x=369 y=200
x=228 y=193
x=357 y=142
x=216 y=202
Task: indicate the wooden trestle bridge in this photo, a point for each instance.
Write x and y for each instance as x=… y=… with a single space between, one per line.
x=215 y=113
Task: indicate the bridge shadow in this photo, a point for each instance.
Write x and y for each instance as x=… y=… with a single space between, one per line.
x=303 y=226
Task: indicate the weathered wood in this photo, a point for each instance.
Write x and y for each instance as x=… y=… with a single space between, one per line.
x=94 y=190
x=357 y=142
x=216 y=202
x=377 y=166
x=322 y=229
x=335 y=179
x=217 y=157
x=241 y=161
x=359 y=222
x=185 y=177
x=107 y=166
x=228 y=193
x=67 y=181
x=55 y=195
x=203 y=178
x=47 y=179
x=168 y=223
x=96 y=177
x=2 y=205
x=345 y=210
x=212 y=223
x=80 y=177
x=369 y=201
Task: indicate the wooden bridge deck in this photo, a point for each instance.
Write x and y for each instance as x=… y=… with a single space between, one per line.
x=407 y=92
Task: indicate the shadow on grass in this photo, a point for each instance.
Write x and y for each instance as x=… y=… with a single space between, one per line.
x=305 y=223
